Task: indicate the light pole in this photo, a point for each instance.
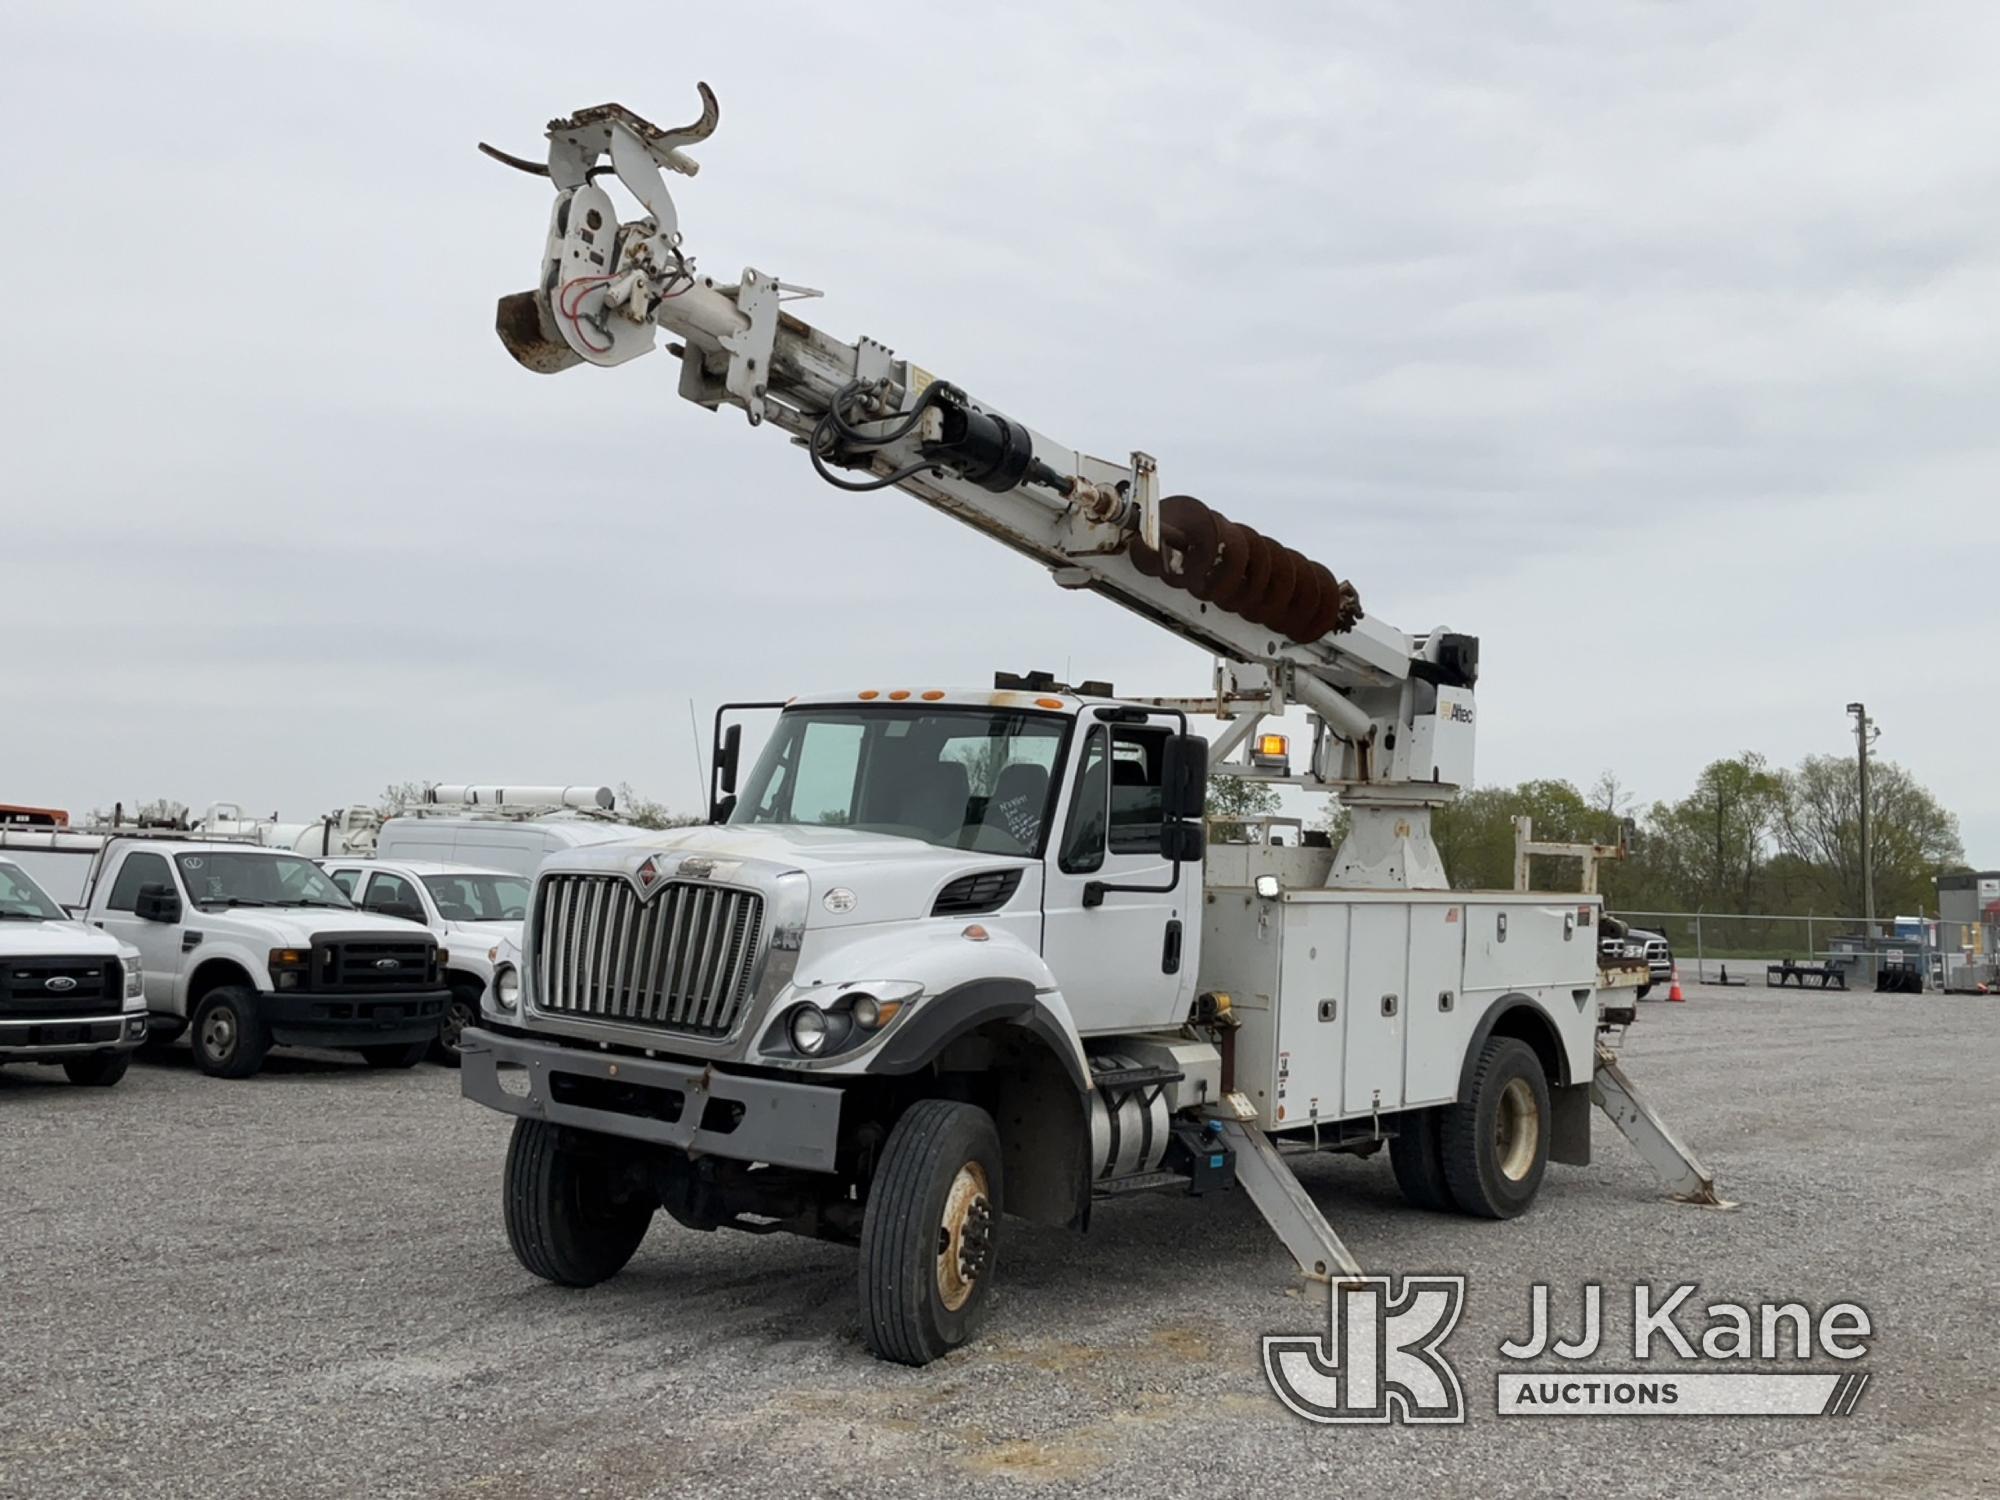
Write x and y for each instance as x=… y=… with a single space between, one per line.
x=1865 y=734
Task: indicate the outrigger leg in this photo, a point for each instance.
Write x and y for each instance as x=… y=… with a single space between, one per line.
x=1685 y=1176
x=1262 y=1173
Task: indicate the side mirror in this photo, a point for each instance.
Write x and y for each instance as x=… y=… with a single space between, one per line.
x=157 y=903
x=732 y=747
x=723 y=776
x=1184 y=778
x=1183 y=842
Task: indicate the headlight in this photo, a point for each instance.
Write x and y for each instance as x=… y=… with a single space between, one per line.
x=872 y=1014
x=507 y=986
x=808 y=1029
x=135 y=979
x=289 y=967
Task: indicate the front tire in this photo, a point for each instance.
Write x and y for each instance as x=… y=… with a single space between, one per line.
x=573 y=1216
x=397 y=1055
x=930 y=1232
x=1416 y=1155
x=462 y=1011
x=100 y=1070
x=1496 y=1138
x=230 y=1037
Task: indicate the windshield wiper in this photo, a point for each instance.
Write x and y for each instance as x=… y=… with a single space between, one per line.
x=329 y=905
x=234 y=901
x=26 y=916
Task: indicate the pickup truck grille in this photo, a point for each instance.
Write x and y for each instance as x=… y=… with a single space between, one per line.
x=683 y=960
x=365 y=965
x=96 y=987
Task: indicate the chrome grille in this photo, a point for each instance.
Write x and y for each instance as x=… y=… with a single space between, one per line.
x=684 y=959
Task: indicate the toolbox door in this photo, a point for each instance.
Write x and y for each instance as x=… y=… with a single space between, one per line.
x=1440 y=1021
x=1378 y=967
x=1312 y=1014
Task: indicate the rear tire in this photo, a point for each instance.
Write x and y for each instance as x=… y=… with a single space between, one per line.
x=573 y=1215
x=230 y=1037
x=930 y=1232
x=1416 y=1155
x=100 y=1070
x=399 y=1055
x=1644 y=991
x=1496 y=1138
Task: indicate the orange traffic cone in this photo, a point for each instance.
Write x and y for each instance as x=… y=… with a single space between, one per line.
x=1675 y=992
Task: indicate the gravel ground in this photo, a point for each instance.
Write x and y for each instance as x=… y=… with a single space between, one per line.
x=299 y=1286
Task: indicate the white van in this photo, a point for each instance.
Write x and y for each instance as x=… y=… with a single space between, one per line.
x=516 y=847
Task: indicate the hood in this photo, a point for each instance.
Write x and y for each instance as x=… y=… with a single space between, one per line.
x=294 y=926
x=57 y=940
x=888 y=878
x=481 y=935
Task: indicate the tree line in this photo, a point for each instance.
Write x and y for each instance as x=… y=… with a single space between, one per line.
x=1748 y=837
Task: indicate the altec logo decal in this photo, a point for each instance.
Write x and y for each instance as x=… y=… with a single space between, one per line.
x=1457 y=713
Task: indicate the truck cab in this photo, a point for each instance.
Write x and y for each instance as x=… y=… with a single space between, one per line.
x=247 y=947
x=946 y=955
x=467 y=909
x=70 y=996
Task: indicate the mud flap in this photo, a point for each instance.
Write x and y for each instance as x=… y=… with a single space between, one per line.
x=1569 y=1130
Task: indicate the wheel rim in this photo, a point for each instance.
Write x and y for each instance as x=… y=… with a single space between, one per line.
x=965 y=1236
x=1517 y=1129
x=218 y=1033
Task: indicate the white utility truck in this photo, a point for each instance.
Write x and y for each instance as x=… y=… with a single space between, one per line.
x=69 y=995
x=502 y=827
x=61 y=857
x=248 y=947
x=468 y=910
x=948 y=954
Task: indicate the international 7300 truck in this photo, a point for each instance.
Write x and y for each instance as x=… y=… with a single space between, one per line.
x=944 y=956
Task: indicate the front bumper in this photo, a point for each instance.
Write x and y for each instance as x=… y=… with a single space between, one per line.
x=52 y=1038
x=689 y=1106
x=299 y=1018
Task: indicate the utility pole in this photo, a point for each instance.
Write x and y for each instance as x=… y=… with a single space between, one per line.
x=1864 y=736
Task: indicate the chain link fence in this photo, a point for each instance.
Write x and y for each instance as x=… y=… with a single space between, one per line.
x=1732 y=947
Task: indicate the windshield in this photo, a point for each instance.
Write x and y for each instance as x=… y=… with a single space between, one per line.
x=963 y=778
x=22 y=899
x=479 y=898
x=228 y=877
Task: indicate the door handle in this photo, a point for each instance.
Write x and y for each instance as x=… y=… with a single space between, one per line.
x=1170 y=952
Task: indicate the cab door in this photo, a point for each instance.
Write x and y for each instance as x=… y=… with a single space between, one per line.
x=163 y=946
x=1117 y=914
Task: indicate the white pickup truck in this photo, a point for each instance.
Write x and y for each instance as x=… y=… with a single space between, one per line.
x=68 y=994
x=468 y=910
x=249 y=947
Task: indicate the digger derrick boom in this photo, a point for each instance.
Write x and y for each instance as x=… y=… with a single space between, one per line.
x=1287 y=630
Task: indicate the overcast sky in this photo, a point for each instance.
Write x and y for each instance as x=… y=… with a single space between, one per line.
x=1653 y=344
